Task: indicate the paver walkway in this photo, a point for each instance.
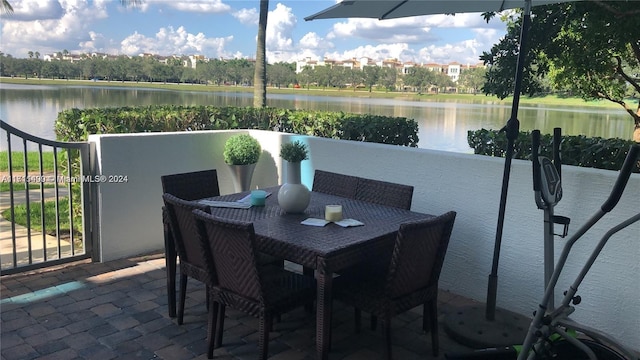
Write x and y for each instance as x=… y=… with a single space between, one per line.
x=118 y=310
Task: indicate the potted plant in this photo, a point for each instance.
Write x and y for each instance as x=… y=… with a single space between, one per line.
x=293 y=196
x=241 y=153
x=294 y=151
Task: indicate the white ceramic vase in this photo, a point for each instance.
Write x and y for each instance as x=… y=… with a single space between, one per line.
x=293 y=196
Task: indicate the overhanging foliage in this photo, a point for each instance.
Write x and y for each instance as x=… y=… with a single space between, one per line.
x=589 y=49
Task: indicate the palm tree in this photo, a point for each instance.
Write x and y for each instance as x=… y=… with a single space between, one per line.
x=131 y=2
x=5 y=7
x=260 y=75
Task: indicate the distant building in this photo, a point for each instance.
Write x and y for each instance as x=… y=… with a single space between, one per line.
x=453 y=69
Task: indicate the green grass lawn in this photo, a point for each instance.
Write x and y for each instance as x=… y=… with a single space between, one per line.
x=33 y=164
x=33 y=161
x=19 y=184
x=20 y=212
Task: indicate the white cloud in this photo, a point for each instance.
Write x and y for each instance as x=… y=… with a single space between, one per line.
x=377 y=52
x=236 y=55
x=281 y=22
x=280 y=25
x=447 y=53
x=49 y=26
x=197 y=6
x=402 y=35
x=304 y=54
x=465 y=51
x=313 y=41
x=395 y=38
x=170 y=41
x=133 y=44
x=488 y=37
x=387 y=31
x=416 y=29
x=97 y=43
x=247 y=16
x=29 y=10
x=465 y=20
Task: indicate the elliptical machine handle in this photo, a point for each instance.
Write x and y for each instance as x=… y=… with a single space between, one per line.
x=557 y=142
x=623 y=178
x=535 y=148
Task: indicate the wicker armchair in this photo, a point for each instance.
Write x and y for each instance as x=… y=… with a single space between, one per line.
x=335 y=184
x=384 y=193
x=411 y=279
x=183 y=230
x=236 y=280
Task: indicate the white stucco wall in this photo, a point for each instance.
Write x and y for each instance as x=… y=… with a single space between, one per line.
x=130 y=213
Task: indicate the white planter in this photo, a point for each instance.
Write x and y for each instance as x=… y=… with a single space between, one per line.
x=293 y=196
x=241 y=175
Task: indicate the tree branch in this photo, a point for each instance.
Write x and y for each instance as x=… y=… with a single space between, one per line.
x=628 y=78
x=635 y=46
x=617 y=13
x=619 y=102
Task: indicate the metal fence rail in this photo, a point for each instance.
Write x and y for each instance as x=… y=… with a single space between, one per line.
x=45 y=209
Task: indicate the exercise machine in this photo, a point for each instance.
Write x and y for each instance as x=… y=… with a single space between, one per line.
x=552 y=334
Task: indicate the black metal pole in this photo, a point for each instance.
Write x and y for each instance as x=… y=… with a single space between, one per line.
x=512 y=128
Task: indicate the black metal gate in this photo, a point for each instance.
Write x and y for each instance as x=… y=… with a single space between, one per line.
x=45 y=202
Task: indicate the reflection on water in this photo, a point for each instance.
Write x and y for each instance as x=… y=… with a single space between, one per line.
x=442 y=125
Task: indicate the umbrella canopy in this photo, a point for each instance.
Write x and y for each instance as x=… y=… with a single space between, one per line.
x=393 y=9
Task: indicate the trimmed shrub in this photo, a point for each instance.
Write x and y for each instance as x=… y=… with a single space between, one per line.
x=78 y=124
x=595 y=152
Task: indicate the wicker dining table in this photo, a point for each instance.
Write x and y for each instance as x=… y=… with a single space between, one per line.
x=326 y=249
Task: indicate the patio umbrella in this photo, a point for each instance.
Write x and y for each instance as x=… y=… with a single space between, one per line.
x=494 y=327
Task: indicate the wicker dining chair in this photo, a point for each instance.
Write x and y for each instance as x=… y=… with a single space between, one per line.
x=192 y=185
x=236 y=280
x=411 y=279
x=183 y=230
x=335 y=184
x=381 y=193
x=384 y=193
x=332 y=183
x=387 y=194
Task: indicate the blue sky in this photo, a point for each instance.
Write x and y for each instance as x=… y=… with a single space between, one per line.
x=227 y=29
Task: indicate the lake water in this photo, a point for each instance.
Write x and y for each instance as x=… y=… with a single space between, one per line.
x=443 y=125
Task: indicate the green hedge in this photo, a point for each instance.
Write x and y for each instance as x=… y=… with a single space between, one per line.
x=578 y=150
x=78 y=124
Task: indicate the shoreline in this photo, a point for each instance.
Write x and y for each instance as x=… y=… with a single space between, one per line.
x=348 y=92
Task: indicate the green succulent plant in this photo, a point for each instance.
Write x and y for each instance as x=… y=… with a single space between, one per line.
x=241 y=149
x=294 y=151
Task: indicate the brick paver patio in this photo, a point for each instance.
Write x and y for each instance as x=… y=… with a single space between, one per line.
x=118 y=310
